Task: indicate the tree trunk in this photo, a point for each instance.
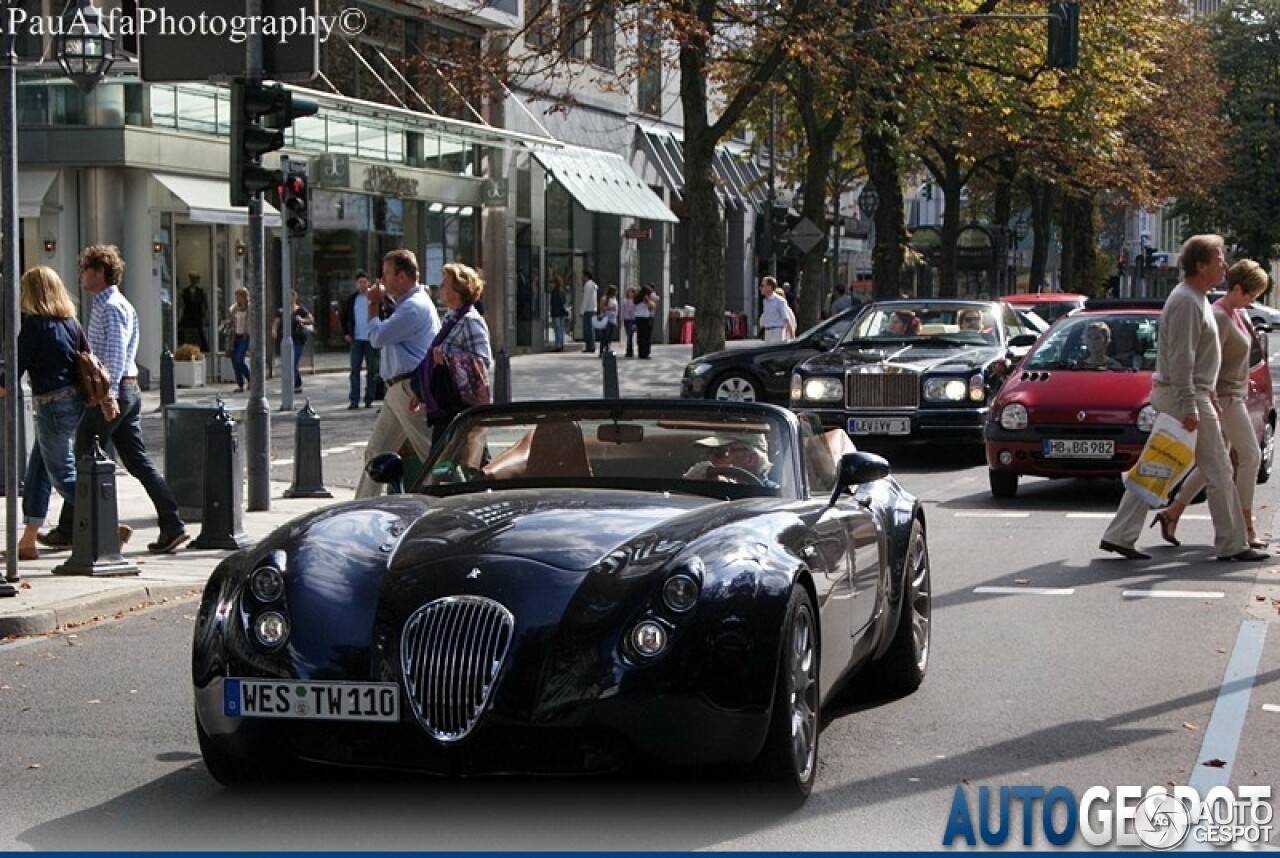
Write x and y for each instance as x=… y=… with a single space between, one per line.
x=813 y=286
x=1042 y=195
x=706 y=251
x=890 y=222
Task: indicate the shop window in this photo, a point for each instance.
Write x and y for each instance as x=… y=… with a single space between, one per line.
x=539 y=28
x=573 y=29
x=649 y=82
x=604 y=25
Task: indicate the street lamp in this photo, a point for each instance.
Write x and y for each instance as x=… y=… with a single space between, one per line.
x=85 y=52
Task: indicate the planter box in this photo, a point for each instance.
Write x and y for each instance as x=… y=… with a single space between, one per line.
x=188 y=373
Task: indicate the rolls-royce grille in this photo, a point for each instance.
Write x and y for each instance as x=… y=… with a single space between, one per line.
x=451 y=653
x=882 y=390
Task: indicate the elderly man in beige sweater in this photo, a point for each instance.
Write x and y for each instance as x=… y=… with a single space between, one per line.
x=1183 y=385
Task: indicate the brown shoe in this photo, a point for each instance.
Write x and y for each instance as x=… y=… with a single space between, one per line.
x=124 y=531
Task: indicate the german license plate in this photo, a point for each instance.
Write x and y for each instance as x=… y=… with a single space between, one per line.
x=332 y=701
x=879 y=425
x=1078 y=448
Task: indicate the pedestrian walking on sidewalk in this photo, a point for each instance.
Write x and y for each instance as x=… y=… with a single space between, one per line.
x=113 y=336
x=645 y=302
x=403 y=338
x=1188 y=356
x=355 y=330
x=47 y=346
x=588 y=299
x=627 y=315
x=458 y=371
x=558 y=311
x=238 y=329
x=609 y=313
x=301 y=326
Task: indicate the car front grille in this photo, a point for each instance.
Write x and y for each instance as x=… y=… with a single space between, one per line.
x=451 y=653
x=887 y=387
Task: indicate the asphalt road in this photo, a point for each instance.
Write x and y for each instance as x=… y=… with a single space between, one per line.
x=1072 y=674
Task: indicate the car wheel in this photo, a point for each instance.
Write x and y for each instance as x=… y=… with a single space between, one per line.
x=1268 y=452
x=227 y=769
x=902 y=668
x=790 y=755
x=737 y=387
x=1003 y=483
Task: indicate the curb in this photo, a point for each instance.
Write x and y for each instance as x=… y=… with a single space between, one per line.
x=86 y=609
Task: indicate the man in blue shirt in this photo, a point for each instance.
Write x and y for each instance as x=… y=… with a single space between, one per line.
x=113 y=336
x=403 y=338
x=355 y=330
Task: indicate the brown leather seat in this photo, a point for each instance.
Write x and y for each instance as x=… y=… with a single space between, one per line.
x=557 y=449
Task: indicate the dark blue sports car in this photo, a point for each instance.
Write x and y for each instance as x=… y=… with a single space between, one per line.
x=572 y=587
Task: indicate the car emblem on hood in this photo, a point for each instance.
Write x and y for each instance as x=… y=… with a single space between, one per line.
x=473 y=574
x=1080 y=416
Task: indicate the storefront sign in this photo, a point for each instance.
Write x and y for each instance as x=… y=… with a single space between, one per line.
x=641 y=232
x=384 y=181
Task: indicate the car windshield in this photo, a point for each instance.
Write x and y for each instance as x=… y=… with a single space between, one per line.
x=723 y=452
x=1098 y=341
x=962 y=324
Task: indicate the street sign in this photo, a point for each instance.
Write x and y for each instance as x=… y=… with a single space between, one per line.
x=181 y=41
x=805 y=234
x=641 y=232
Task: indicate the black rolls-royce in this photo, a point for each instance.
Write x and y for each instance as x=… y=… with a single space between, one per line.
x=915 y=370
x=572 y=587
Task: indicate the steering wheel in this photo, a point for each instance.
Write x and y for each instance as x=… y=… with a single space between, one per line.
x=732 y=472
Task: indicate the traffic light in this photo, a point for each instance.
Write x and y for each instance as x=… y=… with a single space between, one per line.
x=260 y=113
x=1064 y=35
x=294 y=196
x=1120 y=265
x=1149 y=257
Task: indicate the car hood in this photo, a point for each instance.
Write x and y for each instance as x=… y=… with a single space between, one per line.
x=750 y=352
x=1061 y=396
x=917 y=356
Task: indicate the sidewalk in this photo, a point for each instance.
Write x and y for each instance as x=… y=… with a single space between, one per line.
x=48 y=602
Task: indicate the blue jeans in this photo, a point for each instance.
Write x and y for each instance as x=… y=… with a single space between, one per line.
x=52 y=462
x=588 y=334
x=363 y=352
x=240 y=348
x=297 y=362
x=557 y=326
x=630 y=325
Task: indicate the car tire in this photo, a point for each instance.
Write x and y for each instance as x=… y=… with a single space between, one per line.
x=902 y=668
x=790 y=755
x=228 y=769
x=1004 y=484
x=1268 y=444
x=736 y=387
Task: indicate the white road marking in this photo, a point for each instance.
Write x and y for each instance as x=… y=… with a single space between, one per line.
x=993 y=515
x=1029 y=591
x=1091 y=515
x=276 y=463
x=1173 y=594
x=1270 y=707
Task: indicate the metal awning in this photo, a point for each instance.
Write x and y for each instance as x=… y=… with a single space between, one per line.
x=604 y=183
x=32 y=187
x=209 y=201
x=739 y=181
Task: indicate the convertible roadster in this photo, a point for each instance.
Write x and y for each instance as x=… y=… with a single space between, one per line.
x=572 y=587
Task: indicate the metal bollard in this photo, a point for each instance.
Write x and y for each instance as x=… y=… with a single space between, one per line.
x=95 y=542
x=609 y=363
x=308 y=477
x=502 y=377
x=168 y=384
x=220 y=519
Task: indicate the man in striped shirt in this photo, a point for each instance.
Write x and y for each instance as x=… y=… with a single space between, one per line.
x=113 y=337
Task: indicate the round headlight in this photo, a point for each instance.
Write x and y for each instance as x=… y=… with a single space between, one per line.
x=680 y=592
x=699 y=368
x=266 y=584
x=271 y=628
x=1014 y=416
x=648 y=638
x=945 y=389
x=1146 y=418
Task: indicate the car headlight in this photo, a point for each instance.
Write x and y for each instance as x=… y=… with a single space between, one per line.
x=945 y=389
x=1014 y=416
x=680 y=592
x=819 y=388
x=698 y=368
x=266 y=584
x=1146 y=418
x=271 y=629
x=648 y=638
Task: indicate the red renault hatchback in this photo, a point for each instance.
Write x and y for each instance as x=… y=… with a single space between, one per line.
x=1062 y=413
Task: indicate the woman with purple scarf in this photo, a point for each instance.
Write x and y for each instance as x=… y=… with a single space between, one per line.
x=458 y=367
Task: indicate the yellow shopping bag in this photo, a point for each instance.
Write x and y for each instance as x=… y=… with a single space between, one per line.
x=1170 y=452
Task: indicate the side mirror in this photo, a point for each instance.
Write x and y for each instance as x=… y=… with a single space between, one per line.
x=858 y=468
x=824 y=342
x=1023 y=341
x=387 y=469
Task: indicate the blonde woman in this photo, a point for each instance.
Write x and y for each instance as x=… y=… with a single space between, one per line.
x=47 y=346
x=458 y=375
x=1246 y=281
x=238 y=321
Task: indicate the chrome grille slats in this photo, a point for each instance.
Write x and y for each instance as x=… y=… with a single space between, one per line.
x=887 y=388
x=451 y=652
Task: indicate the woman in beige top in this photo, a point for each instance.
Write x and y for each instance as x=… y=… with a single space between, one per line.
x=1246 y=281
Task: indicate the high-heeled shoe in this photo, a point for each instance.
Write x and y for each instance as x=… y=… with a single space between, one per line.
x=1167 y=525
